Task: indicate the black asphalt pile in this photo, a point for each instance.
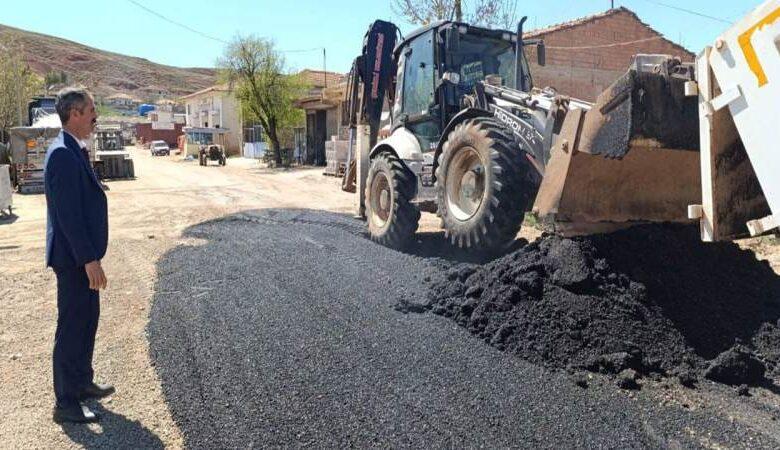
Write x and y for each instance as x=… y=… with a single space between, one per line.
x=649 y=301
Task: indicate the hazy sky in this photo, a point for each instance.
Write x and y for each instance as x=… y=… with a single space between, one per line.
x=338 y=25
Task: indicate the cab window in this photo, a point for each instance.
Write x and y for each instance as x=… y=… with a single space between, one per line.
x=418 y=76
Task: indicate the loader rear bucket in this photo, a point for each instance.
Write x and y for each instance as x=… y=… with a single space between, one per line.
x=632 y=158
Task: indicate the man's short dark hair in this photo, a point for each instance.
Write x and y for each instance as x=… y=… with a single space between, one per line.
x=69 y=98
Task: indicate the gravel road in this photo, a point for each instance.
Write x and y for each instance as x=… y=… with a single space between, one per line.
x=277 y=328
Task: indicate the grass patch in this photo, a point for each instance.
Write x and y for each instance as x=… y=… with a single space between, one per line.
x=531 y=221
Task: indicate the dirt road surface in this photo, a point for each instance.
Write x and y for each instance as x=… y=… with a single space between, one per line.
x=158 y=248
x=147 y=216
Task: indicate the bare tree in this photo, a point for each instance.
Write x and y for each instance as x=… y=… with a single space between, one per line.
x=488 y=13
x=263 y=87
x=423 y=12
x=495 y=13
x=17 y=84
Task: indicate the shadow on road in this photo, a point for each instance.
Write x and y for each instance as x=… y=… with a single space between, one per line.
x=116 y=432
x=716 y=294
x=259 y=170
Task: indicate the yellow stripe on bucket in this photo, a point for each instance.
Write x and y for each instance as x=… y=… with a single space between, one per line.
x=750 y=51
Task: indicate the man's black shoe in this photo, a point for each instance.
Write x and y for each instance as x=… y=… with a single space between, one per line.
x=94 y=390
x=75 y=414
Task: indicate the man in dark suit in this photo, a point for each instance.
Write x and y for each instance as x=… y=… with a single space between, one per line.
x=76 y=241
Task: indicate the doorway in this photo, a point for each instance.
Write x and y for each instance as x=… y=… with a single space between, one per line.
x=316 y=135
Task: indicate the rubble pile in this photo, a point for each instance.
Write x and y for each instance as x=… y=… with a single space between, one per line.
x=649 y=301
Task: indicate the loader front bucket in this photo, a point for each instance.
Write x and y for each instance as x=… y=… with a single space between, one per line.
x=632 y=158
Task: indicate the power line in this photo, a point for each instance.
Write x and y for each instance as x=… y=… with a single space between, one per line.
x=193 y=30
x=688 y=11
x=200 y=33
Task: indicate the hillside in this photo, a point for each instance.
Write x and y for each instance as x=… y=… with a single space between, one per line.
x=107 y=73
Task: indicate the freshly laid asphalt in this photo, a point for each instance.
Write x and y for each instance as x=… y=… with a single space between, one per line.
x=278 y=328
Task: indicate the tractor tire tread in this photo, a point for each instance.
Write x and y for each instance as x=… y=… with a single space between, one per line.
x=405 y=217
x=511 y=189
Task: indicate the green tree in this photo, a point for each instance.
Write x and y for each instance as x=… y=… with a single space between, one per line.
x=263 y=87
x=53 y=78
x=17 y=84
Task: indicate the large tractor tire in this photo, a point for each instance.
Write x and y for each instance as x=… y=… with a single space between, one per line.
x=390 y=187
x=100 y=171
x=109 y=165
x=130 y=168
x=484 y=186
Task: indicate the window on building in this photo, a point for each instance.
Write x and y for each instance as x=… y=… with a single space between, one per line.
x=200 y=138
x=254 y=134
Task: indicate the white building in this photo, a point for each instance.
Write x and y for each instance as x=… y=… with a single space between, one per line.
x=122 y=101
x=216 y=107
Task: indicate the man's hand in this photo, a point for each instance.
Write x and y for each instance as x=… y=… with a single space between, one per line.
x=97 y=279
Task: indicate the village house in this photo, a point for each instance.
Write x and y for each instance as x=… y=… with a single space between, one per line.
x=121 y=101
x=322 y=104
x=162 y=125
x=216 y=108
x=213 y=115
x=585 y=56
x=170 y=105
x=165 y=114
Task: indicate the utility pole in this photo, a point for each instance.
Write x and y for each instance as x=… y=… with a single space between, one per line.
x=613 y=4
x=324 y=67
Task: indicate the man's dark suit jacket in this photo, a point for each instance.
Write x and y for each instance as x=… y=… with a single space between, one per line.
x=77 y=210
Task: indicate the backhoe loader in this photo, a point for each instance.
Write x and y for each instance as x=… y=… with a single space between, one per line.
x=472 y=139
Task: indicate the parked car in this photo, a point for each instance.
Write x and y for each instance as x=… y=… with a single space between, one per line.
x=159 y=148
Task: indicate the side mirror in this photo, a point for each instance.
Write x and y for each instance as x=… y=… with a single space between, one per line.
x=541 y=54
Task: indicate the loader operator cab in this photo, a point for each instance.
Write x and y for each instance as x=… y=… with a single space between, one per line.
x=439 y=65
